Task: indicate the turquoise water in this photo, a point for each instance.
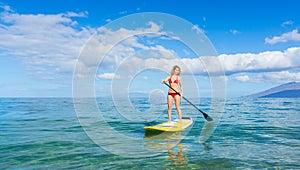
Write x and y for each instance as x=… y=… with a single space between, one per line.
x=45 y=133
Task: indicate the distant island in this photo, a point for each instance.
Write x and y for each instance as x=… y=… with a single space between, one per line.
x=288 y=90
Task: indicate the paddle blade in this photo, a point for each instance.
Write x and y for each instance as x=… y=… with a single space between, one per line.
x=209 y=118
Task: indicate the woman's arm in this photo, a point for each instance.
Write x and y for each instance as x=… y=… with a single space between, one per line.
x=165 y=80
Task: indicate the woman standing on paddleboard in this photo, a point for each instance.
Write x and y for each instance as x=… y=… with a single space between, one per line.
x=174 y=80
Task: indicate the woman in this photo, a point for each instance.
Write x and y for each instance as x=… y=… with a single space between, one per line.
x=174 y=80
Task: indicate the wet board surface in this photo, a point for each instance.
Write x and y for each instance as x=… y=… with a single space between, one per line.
x=174 y=126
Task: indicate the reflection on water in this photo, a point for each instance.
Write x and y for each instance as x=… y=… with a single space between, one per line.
x=167 y=142
x=179 y=157
x=207 y=131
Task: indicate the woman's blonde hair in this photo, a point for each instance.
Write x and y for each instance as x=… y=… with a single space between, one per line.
x=174 y=68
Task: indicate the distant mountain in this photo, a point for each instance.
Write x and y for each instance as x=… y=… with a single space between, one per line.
x=288 y=90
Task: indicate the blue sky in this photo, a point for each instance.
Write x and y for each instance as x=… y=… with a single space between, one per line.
x=258 y=43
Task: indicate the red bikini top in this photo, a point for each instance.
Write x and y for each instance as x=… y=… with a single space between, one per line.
x=175 y=81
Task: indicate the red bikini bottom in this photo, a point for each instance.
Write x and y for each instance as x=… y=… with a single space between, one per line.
x=172 y=94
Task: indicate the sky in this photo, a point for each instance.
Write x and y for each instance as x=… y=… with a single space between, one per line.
x=43 y=43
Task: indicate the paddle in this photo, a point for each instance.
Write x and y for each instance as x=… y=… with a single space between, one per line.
x=204 y=114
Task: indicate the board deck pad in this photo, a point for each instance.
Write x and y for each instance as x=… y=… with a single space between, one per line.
x=174 y=126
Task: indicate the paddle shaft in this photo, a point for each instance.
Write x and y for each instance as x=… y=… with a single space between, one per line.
x=204 y=114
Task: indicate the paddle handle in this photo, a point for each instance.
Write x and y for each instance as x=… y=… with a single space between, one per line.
x=204 y=114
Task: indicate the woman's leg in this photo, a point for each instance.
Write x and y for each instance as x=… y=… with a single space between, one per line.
x=170 y=101
x=177 y=104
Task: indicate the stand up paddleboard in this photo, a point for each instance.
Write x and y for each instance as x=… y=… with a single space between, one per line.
x=174 y=126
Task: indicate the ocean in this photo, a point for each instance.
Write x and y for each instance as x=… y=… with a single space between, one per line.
x=49 y=133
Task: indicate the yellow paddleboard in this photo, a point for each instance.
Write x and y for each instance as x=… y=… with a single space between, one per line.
x=174 y=126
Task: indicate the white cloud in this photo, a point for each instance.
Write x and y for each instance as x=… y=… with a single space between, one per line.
x=243 y=78
x=6 y=8
x=271 y=66
x=264 y=62
x=289 y=36
x=51 y=43
x=234 y=32
x=123 y=12
x=108 y=20
x=279 y=77
x=286 y=23
x=269 y=77
x=74 y=14
x=261 y=62
x=197 y=29
x=45 y=43
x=111 y=47
x=115 y=45
x=268 y=61
x=109 y=76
